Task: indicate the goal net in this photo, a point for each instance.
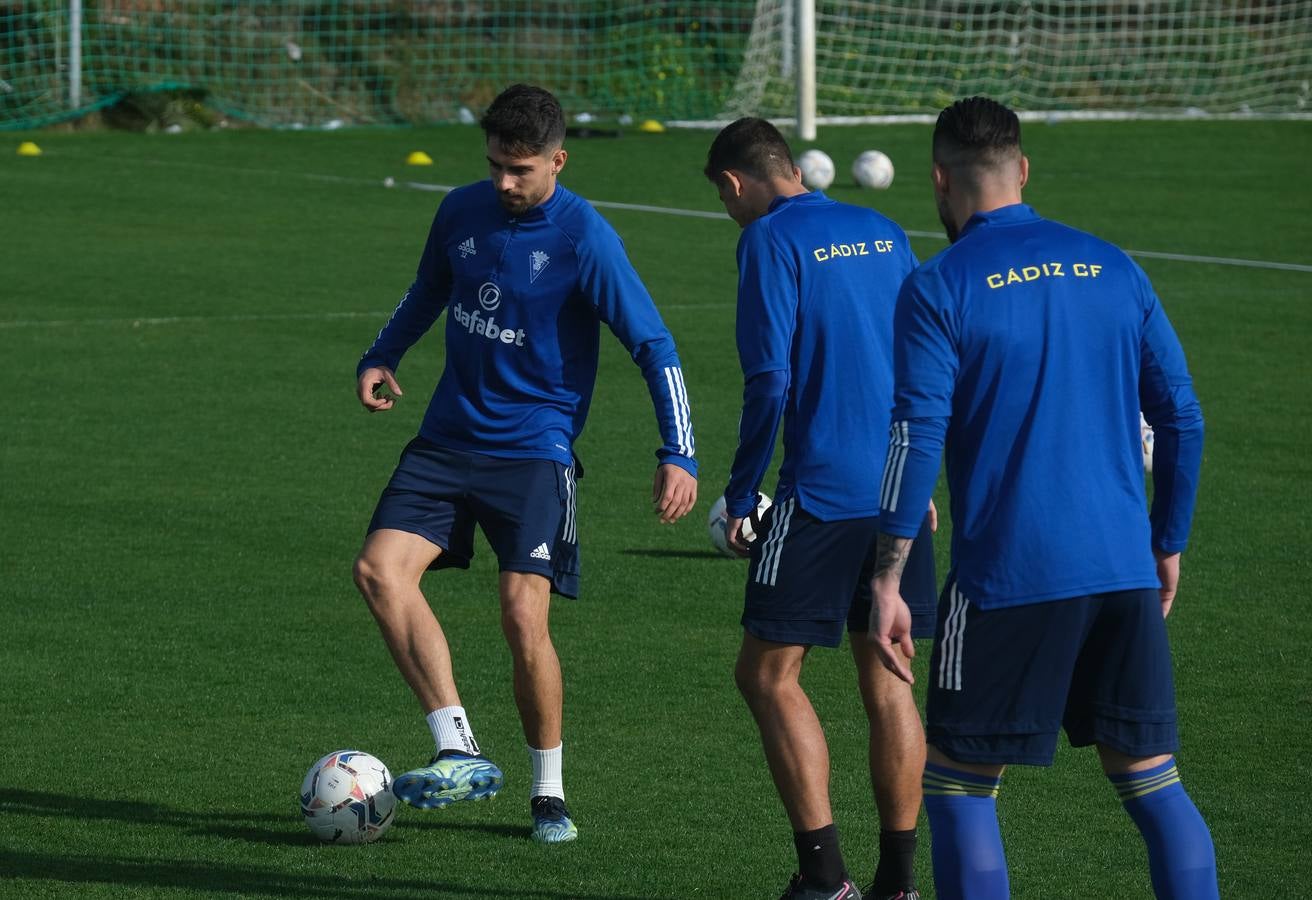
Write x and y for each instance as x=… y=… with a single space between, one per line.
x=316 y=63
x=308 y=63
x=879 y=58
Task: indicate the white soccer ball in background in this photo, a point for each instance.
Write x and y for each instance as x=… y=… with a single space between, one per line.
x=347 y=798
x=873 y=169
x=817 y=169
x=718 y=520
x=1146 y=440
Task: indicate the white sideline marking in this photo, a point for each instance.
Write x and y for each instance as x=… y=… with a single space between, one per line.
x=705 y=214
x=139 y=321
x=936 y=235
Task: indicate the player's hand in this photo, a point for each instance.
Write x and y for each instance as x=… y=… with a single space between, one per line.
x=370 y=381
x=933 y=517
x=1168 y=572
x=890 y=627
x=733 y=534
x=673 y=492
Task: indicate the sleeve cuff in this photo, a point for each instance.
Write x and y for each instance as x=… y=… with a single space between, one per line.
x=687 y=463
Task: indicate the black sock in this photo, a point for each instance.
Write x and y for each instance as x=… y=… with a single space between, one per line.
x=818 y=857
x=896 y=870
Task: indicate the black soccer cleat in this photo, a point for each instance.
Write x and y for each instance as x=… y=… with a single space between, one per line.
x=799 y=890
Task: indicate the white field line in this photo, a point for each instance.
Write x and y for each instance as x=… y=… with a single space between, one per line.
x=935 y=235
x=706 y=214
x=140 y=321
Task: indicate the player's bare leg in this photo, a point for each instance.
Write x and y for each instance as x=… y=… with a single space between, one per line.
x=539 y=690
x=897 y=740
x=387 y=573
x=539 y=694
x=795 y=750
x=767 y=674
x=897 y=764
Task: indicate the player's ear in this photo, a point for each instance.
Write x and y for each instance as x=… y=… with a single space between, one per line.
x=1024 y=170
x=735 y=182
x=558 y=160
x=939 y=176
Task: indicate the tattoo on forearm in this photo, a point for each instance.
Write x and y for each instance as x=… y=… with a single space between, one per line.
x=891 y=555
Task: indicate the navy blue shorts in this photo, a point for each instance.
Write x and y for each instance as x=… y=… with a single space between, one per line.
x=524 y=506
x=1004 y=681
x=807 y=578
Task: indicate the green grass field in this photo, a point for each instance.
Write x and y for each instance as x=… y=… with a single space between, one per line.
x=187 y=477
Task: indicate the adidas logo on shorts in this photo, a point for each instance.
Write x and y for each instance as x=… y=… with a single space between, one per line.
x=541 y=553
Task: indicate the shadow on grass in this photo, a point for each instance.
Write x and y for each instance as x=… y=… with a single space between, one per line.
x=154 y=872
x=673 y=554
x=247 y=881
x=253 y=827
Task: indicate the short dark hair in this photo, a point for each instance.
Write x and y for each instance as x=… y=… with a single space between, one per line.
x=751 y=146
x=978 y=132
x=527 y=120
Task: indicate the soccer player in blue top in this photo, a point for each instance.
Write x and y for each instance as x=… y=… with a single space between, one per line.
x=1028 y=349
x=526 y=271
x=816 y=289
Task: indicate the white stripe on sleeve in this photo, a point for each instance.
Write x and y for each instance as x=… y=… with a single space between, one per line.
x=899 y=443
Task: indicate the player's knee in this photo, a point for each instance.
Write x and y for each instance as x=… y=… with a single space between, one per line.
x=372 y=579
x=886 y=696
x=755 y=681
x=524 y=627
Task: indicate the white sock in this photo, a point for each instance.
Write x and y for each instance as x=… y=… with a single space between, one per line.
x=546 y=773
x=451 y=730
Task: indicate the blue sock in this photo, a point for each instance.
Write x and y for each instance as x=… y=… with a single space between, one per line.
x=965 y=842
x=1180 y=854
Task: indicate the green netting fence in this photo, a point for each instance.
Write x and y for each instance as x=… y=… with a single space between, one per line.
x=312 y=63
x=372 y=63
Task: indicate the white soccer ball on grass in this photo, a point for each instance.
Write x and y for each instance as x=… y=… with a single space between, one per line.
x=873 y=169
x=346 y=798
x=717 y=523
x=817 y=169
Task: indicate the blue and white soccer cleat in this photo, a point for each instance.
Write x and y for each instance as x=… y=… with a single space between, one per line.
x=551 y=821
x=450 y=776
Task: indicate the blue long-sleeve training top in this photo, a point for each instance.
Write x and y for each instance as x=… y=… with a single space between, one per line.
x=817 y=286
x=525 y=297
x=1029 y=348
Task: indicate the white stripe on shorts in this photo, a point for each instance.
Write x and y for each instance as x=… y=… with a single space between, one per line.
x=954 y=635
x=569 y=531
x=768 y=570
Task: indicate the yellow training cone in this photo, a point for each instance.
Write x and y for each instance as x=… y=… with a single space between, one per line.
x=419 y=158
x=27 y=148
x=651 y=126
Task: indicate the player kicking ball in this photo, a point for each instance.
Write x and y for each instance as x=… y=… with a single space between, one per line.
x=817 y=281
x=526 y=271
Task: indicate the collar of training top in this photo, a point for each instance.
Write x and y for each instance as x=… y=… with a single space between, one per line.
x=808 y=197
x=1014 y=214
x=535 y=212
